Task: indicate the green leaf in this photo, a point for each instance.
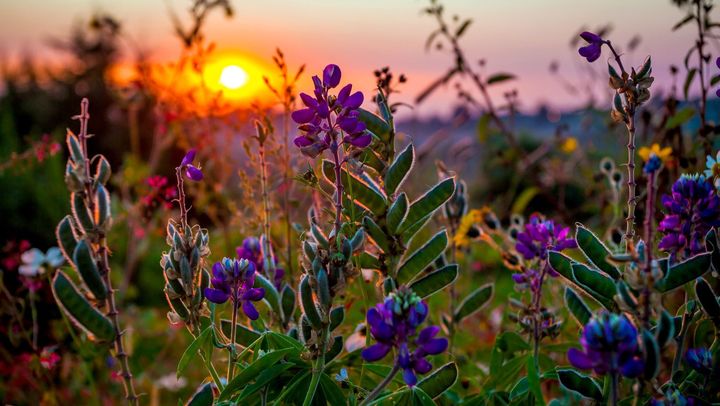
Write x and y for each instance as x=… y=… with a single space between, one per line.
x=196 y=345
x=596 y=284
x=337 y=315
x=363 y=193
x=561 y=264
x=66 y=238
x=534 y=381
x=507 y=373
x=102 y=205
x=376 y=233
x=707 y=298
x=368 y=261
x=243 y=335
x=652 y=355
x=483 y=128
x=397 y=213
x=375 y=125
x=203 y=396
x=79 y=310
x=435 y=281
x=688 y=81
x=580 y=311
x=333 y=394
x=399 y=169
x=308 y=304
x=500 y=77
x=288 y=300
x=88 y=270
x=684 y=272
x=473 y=302
x=421 y=398
x=252 y=371
x=296 y=386
x=681 y=117
x=272 y=297
x=422 y=257
x=580 y=383
x=665 y=329
x=428 y=203
x=265 y=377
x=595 y=251
x=440 y=380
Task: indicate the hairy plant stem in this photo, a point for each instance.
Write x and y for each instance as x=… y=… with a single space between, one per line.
x=395 y=369
x=537 y=314
x=631 y=184
x=103 y=263
x=233 y=338
x=318 y=365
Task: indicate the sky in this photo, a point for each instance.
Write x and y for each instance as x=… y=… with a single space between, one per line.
x=518 y=36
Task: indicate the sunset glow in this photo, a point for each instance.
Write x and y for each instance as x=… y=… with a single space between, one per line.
x=233 y=77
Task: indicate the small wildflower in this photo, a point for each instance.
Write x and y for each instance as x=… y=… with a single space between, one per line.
x=592 y=51
x=234 y=279
x=610 y=345
x=393 y=324
x=569 y=145
x=49 y=358
x=699 y=359
x=654 y=157
x=672 y=397
x=34 y=261
x=541 y=235
x=191 y=171
x=712 y=170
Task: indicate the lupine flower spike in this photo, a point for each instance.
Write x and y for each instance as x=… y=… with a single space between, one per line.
x=234 y=279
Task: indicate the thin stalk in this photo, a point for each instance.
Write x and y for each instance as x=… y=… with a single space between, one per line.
x=338 y=189
x=631 y=184
x=287 y=183
x=267 y=253
x=36 y=327
x=649 y=220
x=701 y=69
x=381 y=385
x=613 y=388
x=318 y=367
x=680 y=340
x=233 y=337
x=103 y=263
x=537 y=314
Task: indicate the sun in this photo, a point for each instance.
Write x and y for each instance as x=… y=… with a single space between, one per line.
x=233 y=77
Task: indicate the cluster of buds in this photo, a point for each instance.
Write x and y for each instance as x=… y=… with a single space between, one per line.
x=185 y=275
x=546 y=320
x=635 y=86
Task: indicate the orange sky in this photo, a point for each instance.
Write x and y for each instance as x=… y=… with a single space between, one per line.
x=519 y=36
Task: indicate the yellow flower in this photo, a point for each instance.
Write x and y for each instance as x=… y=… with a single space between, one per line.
x=463 y=237
x=569 y=145
x=664 y=153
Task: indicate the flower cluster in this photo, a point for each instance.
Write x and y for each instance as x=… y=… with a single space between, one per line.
x=540 y=235
x=161 y=195
x=393 y=324
x=325 y=116
x=610 y=345
x=699 y=359
x=234 y=279
x=252 y=251
x=191 y=171
x=692 y=209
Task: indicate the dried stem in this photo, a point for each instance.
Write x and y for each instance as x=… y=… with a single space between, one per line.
x=103 y=264
x=631 y=184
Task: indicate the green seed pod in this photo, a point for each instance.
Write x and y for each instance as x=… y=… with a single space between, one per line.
x=74 y=147
x=81 y=214
x=346 y=249
x=308 y=304
x=204 y=282
x=319 y=236
x=194 y=258
x=310 y=250
x=335 y=348
x=72 y=178
x=306 y=328
x=102 y=207
x=288 y=303
x=652 y=355
x=67 y=241
x=626 y=295
x=665 y=329
x=358 y=240
x=708 y=300
x=316 y=265
x=186 y=273
x=645 y=70
x=389 y=285
x=102 y=170
x=323 y=288
x=337 y=315
x=88 y=270
x=178 y=243
x=79 y=310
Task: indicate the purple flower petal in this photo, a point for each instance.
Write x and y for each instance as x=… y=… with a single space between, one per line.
x=591 y=37
x=254 y=294
x=427 y=333
x=354 y=101
x=435 y=346
x=303 y=116
x=250 y=310
x=194 y=173
x=216 y=296
x=189 y=157
x=421 y=365
x=632 y=368
x=331 y=76
x=375 y=352
x=409 y=377
x=579 y=359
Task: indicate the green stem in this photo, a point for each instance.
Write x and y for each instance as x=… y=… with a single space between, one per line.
x=233 y=333
x=318 y=368
x=381 y=385
x=632 y=201
x=613 y=388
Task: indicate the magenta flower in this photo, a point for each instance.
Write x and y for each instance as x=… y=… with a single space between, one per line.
x=234 y=279
x=191 y=171
x=326 y=116
x=592 y=51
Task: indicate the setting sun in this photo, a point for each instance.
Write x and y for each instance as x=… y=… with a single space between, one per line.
x=233 y=77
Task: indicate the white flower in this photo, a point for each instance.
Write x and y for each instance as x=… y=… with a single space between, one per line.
x=33 y=261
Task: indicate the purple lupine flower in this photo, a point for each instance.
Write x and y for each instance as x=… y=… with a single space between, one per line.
x=653 y=164
x=251 y=250
x=540 y=235
x=699 y=359
x=234 y=279
x=610 y=345
x=325 y=116
x=393 y=324
x=692 y=210
x=592 y=50
x=673 y=397
x=191 y=171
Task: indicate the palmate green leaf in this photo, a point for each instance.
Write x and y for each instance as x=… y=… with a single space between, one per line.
x=196 y=345
x=368 y=261
x=439 y=380
x=580 y=311
x=397 y=212
x=376 y=233
x=473 y=302
x=375 y=125
x=420 y=398
x=243 y=335
x=435 y=281
x=399 y=169
x=595 y=251
x=266 y=376
x=203 y=396
x=580 y=383
x=533 y=379
x=428 y=203
x=333 y=394
x=522 y=386
x=595 y=284
x=408 y=234
x=79 y=310
x=252 y=371
x=296 y=388
x=684 y=272
x=422 y=257
x=366 y=195
x=88 y=270
x=507 y=373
